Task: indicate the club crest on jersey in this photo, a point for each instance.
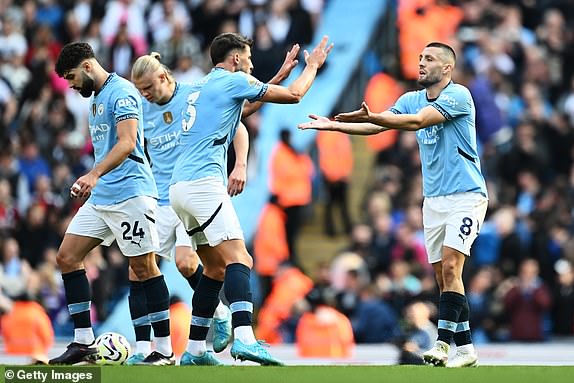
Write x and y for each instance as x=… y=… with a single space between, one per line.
x=101 y=109
x=167 y=117
x=93 y=109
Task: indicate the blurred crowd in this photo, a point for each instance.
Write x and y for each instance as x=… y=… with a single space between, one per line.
x=516 y=57
x=44 y=140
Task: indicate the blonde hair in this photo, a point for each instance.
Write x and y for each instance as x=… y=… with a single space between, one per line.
x=149 y=64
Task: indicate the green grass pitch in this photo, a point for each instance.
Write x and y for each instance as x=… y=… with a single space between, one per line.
x=335 y=374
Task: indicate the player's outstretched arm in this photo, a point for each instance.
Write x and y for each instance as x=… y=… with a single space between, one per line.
x=355 y=128
x=293 y=93
x=289 y=63
x=238 y=177
x=427 y=116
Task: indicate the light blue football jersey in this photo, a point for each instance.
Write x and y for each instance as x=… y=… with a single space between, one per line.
x=211 y=117
x=162 y=130
x=449 y=155
x=116 y=101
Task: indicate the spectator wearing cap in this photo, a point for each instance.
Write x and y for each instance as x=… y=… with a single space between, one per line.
x=563 y=298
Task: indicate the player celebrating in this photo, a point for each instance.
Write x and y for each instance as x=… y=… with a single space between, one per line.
x=198 y=193
x=121 y=204
x=443 y=116
x=165 y=100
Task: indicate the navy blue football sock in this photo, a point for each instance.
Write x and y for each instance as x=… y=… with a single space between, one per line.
x=157 y=303
x=462 y=335
x=193 y=280
x=450 y=306
x=205 y=300
x=78 y=296
x=238 y=293
x=138 y=311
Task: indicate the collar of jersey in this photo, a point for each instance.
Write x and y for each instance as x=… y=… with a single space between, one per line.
x=436 y=98
x=104 y=84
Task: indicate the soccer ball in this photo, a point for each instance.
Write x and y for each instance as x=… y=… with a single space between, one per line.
x=113 y=348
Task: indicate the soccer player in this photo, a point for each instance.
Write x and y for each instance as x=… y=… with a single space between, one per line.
x=163 y=106
x=443 y=117
x=121 y=205
x=198 y=193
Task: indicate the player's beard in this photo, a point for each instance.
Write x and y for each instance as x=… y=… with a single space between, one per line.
x=88 y=86
x=431 y=78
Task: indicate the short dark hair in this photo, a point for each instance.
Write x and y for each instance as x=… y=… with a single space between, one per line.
x=224 y=43
x=447 y=48
x=71 y=55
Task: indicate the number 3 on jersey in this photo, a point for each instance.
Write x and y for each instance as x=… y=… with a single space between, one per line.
x=190 y=113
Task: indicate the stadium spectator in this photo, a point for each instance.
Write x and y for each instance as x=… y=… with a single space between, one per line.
x=291 y=173
x=26 y=328
x=528 y=304
x=163 y=17
x=563 y=299
x=15 y=272
x=9 y=216
x=129 y=13
x=122 y=52
x=336 y=165
x=180 y=318
x=373 y=320
x=270 y=247
x=322 y=331
x=418 y=333
x=290 y=285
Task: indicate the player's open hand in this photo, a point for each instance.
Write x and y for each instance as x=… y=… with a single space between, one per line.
x=319 y=54
x=289 y=63
x=360 y=115
x=318 y=123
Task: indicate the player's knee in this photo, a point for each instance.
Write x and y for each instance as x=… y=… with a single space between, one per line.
x=186 y=267
x=186 y=262
x=449 y=274
x=216 y=272
x=144 y=267
x=67 y=261
x=245 y=259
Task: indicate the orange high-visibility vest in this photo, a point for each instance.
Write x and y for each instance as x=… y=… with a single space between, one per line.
x=416 y=30
x=179 y=321
x=381 y=93
x=27 y=330
x=325 y=333
x=270 y=247
x=335 y=155
x=290 y=176
x=289 y=286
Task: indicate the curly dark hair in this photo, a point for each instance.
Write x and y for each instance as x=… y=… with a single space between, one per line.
x=224 y=43
x=71 y=55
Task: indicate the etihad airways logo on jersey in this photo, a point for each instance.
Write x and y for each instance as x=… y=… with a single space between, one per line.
x=429 y=135
x=98 y=131
x=165 y=141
